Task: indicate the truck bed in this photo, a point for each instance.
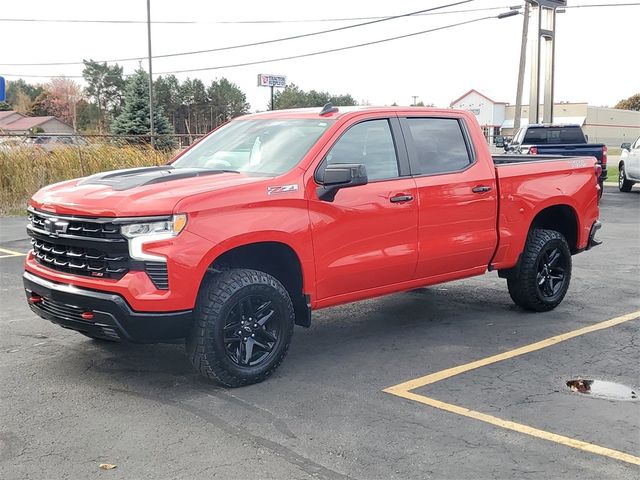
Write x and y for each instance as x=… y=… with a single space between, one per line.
x=513 y=159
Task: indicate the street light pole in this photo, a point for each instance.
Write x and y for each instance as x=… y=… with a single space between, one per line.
x=151 y=132
x=523 y=61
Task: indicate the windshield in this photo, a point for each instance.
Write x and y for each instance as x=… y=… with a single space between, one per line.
x=268 y=146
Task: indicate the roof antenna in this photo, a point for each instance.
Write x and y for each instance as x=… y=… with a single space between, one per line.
x=328 y=108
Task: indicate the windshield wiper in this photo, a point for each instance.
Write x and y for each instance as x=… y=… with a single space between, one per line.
x=221 y=170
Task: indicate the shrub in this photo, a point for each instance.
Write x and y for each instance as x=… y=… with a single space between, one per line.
x=24 y=170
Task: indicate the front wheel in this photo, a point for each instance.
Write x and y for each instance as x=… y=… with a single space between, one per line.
x=541 y=280
x=623 y=184
x=242 y=328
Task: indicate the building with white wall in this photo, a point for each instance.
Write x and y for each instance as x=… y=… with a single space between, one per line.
x=610 y=126
x=489 y=113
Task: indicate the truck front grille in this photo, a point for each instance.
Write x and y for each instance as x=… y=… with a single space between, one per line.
x=80 y=246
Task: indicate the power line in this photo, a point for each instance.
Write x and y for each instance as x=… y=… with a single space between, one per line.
x=252 y=44
x=604 y=5
x=332 y=50
x=292 y=57
x=237 y=22
x=274 y=21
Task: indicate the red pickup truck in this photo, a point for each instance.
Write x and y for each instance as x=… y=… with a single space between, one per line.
x=276 y=214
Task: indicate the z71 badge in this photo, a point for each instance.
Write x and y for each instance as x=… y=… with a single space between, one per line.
x=282 y=189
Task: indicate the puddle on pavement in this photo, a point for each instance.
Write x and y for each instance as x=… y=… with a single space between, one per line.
x=602 y=389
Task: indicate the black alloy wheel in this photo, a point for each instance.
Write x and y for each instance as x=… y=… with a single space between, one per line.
x=541 y=278
x=243 y=323
x=552 y=266
x=251 y=331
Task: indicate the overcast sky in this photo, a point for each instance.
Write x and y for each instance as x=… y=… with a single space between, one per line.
x=596 y=53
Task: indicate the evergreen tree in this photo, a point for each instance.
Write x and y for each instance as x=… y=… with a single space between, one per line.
x=134 y=119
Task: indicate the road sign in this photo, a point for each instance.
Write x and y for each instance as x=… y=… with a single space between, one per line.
x=3 y=89
x=266 y=80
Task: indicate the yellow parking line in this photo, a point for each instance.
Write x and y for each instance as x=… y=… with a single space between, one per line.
x=10 y=253
x=404 y=390
x=450 y=372
x=519 y=427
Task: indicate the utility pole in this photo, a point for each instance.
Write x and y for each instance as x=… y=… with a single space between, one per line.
x=543 y=49
x=153 y=143
x=415 y=100
x=523 y=62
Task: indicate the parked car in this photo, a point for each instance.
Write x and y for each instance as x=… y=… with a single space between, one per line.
x=569 y=140
x=51 y=142
x=280 y=213
x=629 y=166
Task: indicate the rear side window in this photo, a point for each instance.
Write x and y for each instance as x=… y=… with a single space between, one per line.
x=371 y=144
x=553 y=135
x=440 y=145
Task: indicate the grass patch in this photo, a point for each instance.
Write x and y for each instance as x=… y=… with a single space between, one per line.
x=24 y=170
x=614 y=150
x=612 y=173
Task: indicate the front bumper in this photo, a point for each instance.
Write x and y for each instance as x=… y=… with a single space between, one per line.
x=113 y=318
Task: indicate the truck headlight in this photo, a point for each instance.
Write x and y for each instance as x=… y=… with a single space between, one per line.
x=139 y=234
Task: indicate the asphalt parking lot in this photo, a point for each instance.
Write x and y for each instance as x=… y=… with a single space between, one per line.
x=340 y=407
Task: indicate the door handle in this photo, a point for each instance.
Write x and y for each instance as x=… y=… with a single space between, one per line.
x=401 y=198
x=481 y=189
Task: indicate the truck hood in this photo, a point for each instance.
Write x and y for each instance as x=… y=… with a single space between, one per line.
x=135 y=191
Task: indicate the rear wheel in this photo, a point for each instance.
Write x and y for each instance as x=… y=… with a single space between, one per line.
x=242 y=328
x=623 y=184
x=541 y=280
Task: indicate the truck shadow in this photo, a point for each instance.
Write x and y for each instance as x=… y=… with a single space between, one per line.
x=366 y=331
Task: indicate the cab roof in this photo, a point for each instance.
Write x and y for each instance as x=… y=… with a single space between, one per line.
x=338 y=112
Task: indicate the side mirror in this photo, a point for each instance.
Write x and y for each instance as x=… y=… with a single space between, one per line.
x=626 y=146
x=340 y=175
x=586 y=138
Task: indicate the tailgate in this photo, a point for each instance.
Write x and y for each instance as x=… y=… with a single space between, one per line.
x=572 y=150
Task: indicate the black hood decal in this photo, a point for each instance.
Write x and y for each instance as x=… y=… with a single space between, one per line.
x=138 y=177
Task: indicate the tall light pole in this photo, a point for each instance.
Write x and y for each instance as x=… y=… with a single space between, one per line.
x=543 y=50
x=523 y=61
x=153 y=143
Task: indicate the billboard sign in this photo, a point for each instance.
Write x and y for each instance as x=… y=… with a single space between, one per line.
x=267 y=80
x=3 y=89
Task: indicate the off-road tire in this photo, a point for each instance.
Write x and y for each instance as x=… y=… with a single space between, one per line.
x=205 y=343
x=523 y=282
x=623 y=184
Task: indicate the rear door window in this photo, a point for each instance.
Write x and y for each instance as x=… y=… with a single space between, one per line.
x=439 y=146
